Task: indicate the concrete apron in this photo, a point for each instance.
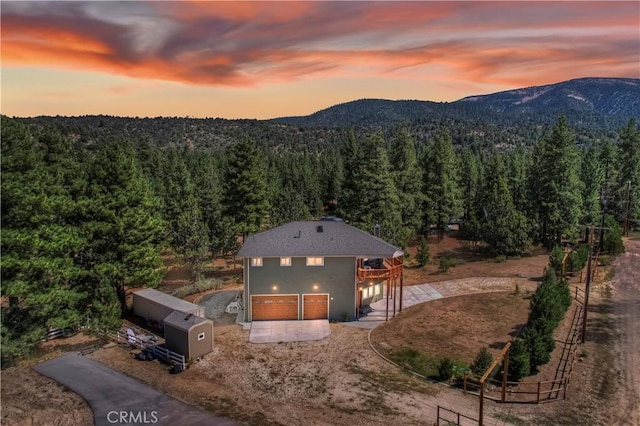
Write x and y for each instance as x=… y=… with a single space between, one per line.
x=288 y=331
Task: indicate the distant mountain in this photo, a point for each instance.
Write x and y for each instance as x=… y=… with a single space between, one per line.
x=592 y=102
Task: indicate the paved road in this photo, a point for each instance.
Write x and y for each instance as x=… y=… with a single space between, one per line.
x=120 y=400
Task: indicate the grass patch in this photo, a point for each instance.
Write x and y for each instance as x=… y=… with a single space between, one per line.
x=511 y=419
x=198 y=287
x=428 y=365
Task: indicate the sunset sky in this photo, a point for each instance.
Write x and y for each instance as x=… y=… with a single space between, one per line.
x=269 y=59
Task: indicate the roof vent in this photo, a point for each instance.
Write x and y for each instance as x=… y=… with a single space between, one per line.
x=188 y=317
x=319 y=228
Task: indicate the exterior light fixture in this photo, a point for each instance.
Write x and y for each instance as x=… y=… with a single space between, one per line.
x=274 y=288
x=316 y=286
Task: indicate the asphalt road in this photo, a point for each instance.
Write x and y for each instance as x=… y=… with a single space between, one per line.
x=120 y=400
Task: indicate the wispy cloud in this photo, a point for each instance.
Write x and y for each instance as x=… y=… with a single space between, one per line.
x=257 y=43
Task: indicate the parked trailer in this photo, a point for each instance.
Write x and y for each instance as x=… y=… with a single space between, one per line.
x=155 y=306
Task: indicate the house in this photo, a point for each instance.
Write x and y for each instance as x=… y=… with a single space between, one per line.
x=154 y=306
x=316 y=270
x=188 y=334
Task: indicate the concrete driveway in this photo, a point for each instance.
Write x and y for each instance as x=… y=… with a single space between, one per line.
x=120 y=400
x=288 y=331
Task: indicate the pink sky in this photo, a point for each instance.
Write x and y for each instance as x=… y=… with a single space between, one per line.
x=270 y=59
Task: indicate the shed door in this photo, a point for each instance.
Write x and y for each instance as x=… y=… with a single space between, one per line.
x=316 y=306
x=272 y=307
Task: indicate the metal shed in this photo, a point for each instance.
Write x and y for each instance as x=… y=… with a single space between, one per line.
x=155 y=306
x=188 y=334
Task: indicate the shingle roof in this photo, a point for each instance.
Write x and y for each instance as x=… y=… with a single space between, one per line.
x=183 y=321
x=300 y=239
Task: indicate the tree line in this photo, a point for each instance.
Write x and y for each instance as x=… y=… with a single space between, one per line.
x=82 y=221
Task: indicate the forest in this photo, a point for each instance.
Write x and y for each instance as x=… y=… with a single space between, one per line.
x=87 y=214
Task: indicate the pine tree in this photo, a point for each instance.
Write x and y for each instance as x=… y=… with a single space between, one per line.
x=592 y=178
x=123 y=224
x=627 y=191
x=245 y=190
x=377 y=196
x=504 y=229
x=407 y=177
x=423 y=254
x=555 y=189
x=348 y=203
x=442 y=193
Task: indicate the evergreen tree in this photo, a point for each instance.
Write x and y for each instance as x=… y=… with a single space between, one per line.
x=481 y=362
x=349 y=204
x=504 y=229
x=423 y=254
x=41 y=278
x=407 y=177
x=245 y=189
x=592 y=178
x=191 y=237
x=627 y=193
x=519 y=361
x=376 y=192
x=555 y=189
x=123 y=225
x=442 y=193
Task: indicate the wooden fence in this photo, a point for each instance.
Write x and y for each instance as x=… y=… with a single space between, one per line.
x=450 y=417
x=124 y=338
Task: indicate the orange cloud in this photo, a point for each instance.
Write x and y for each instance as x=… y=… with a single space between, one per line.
x=252 y=43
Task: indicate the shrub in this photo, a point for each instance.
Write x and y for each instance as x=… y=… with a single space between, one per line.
x=500 y=258
x=612 y=241
x=422 y=256
x=445 y=369
x=444 y=264
x=519 y=362
x=540 y=345
x=555 y=259
x=578 y=258
x=481 y=362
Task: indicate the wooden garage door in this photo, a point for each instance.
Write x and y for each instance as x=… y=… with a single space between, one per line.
x=316 y=306
x=269 y=308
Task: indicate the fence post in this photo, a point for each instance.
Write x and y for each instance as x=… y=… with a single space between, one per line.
x=464 y=383
x=438 y=417
x=538 y=400
x=566 y=383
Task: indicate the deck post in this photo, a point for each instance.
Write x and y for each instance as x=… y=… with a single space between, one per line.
x=388 y=292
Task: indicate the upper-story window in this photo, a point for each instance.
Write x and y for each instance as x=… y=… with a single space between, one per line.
x=315 y=261
x=256 y=261
x=285 y=261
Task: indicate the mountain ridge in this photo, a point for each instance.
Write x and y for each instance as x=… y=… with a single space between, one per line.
x=603 y=99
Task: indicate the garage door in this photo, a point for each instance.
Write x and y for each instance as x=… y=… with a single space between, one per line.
x=316 y=306
x=269 y=308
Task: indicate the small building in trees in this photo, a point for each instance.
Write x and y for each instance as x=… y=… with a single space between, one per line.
x=323 y=269
x=188 y=334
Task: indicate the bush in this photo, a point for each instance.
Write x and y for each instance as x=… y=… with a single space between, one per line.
x=555 y=259
x=447 y=262
x=519 y=362
x=500 y=258
x=445 y=369
x=578 y=258
x=481 y=362
x=612 y=239
x=422 y=256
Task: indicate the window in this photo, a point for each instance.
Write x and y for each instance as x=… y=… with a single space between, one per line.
x=377 y=289
x=285 y=261
x=256 y=261
x=200 y=336
x=315 y=261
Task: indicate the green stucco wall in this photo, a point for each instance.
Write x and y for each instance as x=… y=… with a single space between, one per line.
x=336 y=277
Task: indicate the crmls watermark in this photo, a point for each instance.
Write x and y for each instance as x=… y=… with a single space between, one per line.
x=132 y=417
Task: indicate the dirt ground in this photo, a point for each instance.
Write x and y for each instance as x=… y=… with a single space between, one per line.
x=340 y=381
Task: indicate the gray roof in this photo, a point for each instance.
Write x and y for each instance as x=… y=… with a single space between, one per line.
x=301 y=239
x=167 y=300
x=183 y=321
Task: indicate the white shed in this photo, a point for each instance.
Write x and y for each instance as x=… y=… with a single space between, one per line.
x=155 y=306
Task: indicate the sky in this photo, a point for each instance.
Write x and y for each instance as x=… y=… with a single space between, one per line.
x=266 y=59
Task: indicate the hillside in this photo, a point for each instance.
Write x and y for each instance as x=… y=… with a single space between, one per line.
x=596 y=108
x=599 y=103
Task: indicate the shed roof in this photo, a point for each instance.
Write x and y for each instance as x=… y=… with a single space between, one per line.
x=183 y=321
x=317 y=238
x=167 y=300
